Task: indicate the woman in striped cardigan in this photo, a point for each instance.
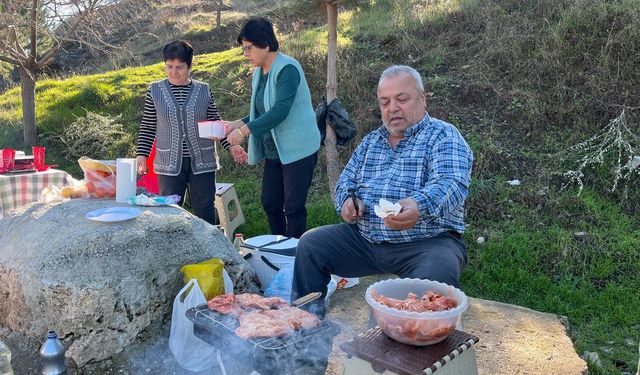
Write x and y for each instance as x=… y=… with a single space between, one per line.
x=172 y=109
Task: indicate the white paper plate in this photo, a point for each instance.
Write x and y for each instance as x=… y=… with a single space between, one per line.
x=113 y=214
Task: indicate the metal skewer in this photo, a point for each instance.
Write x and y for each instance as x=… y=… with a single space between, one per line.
x=306 y=299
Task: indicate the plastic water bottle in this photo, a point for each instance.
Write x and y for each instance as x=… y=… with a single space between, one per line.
x=52 y=354
x=238 y=242
x=5 y=360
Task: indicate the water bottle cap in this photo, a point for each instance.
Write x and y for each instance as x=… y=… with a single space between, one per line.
x=238 y=234
x=52 y=335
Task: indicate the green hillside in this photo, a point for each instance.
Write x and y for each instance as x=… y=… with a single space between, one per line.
x=523 y=80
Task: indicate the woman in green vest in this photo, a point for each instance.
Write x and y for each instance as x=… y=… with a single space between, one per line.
x=281 y=128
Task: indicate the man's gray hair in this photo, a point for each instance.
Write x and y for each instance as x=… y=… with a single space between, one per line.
x=396 y=70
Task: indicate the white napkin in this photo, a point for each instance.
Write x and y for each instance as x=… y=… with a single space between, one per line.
x=385 y=208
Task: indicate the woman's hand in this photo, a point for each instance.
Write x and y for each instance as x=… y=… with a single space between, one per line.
x=235 y=137
x=239 y=155
x=230 y=126
x=141 y=164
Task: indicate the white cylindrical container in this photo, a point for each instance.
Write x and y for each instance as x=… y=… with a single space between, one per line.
x=125 y=179
x=5 y=360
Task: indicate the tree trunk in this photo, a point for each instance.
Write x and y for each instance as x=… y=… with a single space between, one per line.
x=218 y=13
x=28 y=92
x=330 y=145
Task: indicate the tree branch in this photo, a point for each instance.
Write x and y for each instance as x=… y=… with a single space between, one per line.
x=11 y=51
x=49 y=54
x=18 y=49
x=10 y=60
x=32 y=26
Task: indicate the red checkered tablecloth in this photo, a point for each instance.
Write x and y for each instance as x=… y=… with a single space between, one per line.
x=17 y=190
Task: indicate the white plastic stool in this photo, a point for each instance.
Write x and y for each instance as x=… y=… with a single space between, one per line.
x=230 y=217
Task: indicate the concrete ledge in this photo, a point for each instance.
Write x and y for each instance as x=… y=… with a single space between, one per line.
x=513 y=339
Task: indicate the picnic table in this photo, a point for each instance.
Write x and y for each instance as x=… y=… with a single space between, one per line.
x=20 y=189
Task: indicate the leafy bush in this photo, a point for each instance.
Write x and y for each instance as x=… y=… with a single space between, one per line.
x=96 y=136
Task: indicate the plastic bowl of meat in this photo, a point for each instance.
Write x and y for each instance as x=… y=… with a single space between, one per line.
x=414 y=311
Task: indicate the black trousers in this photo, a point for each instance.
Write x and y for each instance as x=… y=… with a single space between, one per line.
x=202 y=190
x=284 y=194
x=340 y=249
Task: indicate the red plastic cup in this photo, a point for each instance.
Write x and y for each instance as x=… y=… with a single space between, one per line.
x=8 y=159
x=38 y=158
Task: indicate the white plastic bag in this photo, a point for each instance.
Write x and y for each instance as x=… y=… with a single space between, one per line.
x=228 y=283
x=189 y=351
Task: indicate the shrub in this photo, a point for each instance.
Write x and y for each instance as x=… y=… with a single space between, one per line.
x=96 y=136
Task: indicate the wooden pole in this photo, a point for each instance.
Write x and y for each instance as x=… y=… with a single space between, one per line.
x=330 y=144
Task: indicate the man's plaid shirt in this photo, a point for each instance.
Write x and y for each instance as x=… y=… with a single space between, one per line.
x=431 y=165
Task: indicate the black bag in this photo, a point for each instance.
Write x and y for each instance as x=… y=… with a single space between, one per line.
x=339 y=121
x=321 y=119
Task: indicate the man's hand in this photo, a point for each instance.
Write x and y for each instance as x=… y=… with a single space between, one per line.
x=407 y=218
x=349 y=213
x=239 y=154
x=141 y=164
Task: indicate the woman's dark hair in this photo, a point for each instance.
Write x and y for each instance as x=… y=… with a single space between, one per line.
x=178 y=49
x=259 y=31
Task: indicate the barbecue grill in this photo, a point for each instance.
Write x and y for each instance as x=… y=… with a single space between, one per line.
x=305 y=351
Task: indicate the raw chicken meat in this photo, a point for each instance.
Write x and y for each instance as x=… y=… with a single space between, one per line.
x=258 y=324
x=430 y=301
x=226 y=304
x=294 y=316
x=263 y=317
x=250 y=301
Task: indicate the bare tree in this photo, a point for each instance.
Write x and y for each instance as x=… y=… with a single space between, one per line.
x=220 y=6
x=33 y=31
x=331 y=149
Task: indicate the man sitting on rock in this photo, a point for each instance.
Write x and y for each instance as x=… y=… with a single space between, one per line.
x=420 y=162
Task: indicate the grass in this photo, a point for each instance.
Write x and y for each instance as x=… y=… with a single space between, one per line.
x=522 y=80
x=535 y=260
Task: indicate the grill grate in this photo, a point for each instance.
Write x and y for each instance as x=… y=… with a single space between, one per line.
x=304 y=350
x=224 y=325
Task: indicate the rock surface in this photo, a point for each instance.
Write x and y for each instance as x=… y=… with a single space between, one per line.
x=101 y=285
x=513 y=339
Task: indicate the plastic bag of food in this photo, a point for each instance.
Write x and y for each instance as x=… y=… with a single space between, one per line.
x=209 y=274
x=100 y=177
x=50 y=194
x=144 y=200
x=75 y=189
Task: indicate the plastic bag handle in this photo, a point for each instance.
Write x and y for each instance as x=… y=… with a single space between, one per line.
x=266 y=261
x=188 y=288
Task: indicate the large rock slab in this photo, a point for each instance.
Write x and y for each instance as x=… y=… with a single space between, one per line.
x=101 y=285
